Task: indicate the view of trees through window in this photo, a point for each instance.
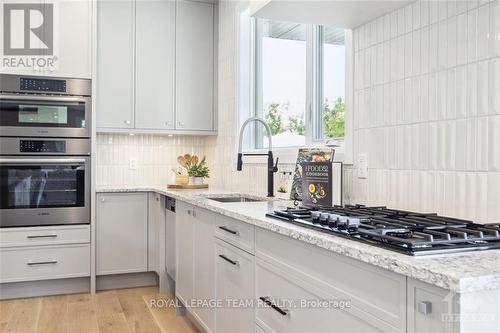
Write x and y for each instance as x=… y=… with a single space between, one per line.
x=281 y=81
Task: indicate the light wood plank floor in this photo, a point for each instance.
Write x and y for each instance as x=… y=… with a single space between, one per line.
x=123 y=310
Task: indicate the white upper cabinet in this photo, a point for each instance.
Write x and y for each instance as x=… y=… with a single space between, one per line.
x=195 y=66
x=115 y=64
x=155 y=66
x=75 y=38
x=155 y=52
x=72 y=39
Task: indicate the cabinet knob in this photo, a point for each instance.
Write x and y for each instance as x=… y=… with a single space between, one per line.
x=189 y=212
x=194 y=213
x=180 y=124
x=168 y=123
x=424 y=307
x=127 y=122
x=102 y=199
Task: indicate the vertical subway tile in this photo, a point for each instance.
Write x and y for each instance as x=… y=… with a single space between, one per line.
x=408 y=55
x=452 y=8
x=451 y=106
x=460 y=91
x=416 y=97
x=433 y=47
x=482 y=88
x=424 y=50
x=443 y=39
x=452 y=42
x=493 y=198
x=494 y=86
x=442 y=10
x=387 y=27
x=462 y=39
x=433 y=91
x=482 y=144
x=460 y=144
x=495 y=28
x=450 y=145
x=442 y=95
x=401 y=21
x=394 y=24
x=415 y=57
x=472 y=35
x=481 y=203
x=494 y=144
x=424 y=13
x=433 y=145
x=408 y=16
x=433 y=11
x=408 y=101
x=416 y=10
x=471 y=90
x=483 y=32
x=424 y=97
x=461 y=6
x=424 y=146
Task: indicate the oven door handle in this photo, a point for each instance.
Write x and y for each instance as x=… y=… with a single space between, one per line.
x=42 y=161
x=41 y=98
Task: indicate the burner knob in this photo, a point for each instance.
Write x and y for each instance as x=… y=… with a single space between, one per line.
x=354 y=222
x=324 y=218
x=332 y=218
x=342 y=222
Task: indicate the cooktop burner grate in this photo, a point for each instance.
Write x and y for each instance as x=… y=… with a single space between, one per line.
x=407 y=232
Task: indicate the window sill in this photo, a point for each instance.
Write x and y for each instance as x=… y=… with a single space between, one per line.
x=287 y=155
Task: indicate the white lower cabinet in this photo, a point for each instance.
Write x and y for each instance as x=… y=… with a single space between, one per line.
x=234 y=276
x=33 y=263
x=121 y=233
x=195 y=275
x=430 y=309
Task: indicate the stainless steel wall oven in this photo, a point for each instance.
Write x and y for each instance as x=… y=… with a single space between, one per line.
x=44 y=151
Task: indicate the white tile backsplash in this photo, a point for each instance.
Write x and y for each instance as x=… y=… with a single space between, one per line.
x=433 y=141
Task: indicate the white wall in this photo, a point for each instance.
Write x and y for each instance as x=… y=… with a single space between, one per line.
x=427 y=109
x=155 y=155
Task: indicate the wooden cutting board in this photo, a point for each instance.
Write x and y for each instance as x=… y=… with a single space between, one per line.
x=187 y=186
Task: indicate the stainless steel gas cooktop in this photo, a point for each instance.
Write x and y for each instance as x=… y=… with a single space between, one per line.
x=402 y=231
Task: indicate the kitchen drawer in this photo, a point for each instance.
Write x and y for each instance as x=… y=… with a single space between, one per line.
x=234 y=281
x=44 y=262
x=34 y=236
x=239 y=234
x=373 y=291
x=292 y=309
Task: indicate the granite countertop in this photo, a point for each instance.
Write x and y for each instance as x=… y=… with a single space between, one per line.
x=458 y=272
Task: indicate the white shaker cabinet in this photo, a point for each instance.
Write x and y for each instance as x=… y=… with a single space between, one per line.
x=121 y=233
x=155 y=52
x=184 y=249
x=234 y=280
x=115 y=65
x=75 y=38
x=195 y=66
x=195 y=263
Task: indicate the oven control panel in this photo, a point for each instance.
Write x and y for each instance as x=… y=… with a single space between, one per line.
x=42 y=146
x=47 y=85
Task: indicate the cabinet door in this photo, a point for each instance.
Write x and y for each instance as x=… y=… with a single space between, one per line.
x=184 y=280
x=154 y=101
x=115 y=64
x=74 y=32
x=204 y=271
x=156 y=214
x=234 y=271
x=122 y=233
x=19 y=42
x=194 y=66
x=430 y=309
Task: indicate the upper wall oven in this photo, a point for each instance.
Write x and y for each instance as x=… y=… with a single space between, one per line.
x=45 y=107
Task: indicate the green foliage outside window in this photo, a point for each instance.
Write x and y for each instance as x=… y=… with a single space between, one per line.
x=334 y=119
x=273 y=118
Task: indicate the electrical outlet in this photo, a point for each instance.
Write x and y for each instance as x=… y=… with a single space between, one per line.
x=362 y=166
x=132 y=164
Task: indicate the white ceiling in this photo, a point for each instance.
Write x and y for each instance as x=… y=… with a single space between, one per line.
x=337 y=13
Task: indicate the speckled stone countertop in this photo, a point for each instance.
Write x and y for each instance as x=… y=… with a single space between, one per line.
x=458 y=272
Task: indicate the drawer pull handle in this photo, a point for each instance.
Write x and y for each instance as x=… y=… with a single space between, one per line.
x=232 y=262
x=267 y=301
x=425 y=308
x=226 y=229
x=33 y=263
x=41 y=236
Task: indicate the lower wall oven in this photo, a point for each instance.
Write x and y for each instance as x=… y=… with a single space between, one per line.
x=44 y=182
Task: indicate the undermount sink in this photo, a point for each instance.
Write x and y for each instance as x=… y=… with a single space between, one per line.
x=237 y=198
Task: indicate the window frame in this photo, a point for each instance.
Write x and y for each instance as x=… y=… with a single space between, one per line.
x=250 y=103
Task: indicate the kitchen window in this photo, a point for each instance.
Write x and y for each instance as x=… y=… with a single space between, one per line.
x=296 y=77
